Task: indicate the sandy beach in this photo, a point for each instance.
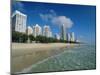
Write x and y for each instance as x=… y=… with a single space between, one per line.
x=24 y=55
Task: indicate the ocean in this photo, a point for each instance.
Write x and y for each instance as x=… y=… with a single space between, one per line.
x=81 y=57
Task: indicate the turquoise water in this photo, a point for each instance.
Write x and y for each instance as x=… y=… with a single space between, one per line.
x=78 y=58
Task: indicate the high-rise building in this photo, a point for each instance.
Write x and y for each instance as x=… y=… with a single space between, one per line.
x=37 y=30
x=29 y=30
x=68 y=37
x=50 y=34
x=57 y=36
x=63 y=32
x=73 y=37
x=19 y=22
x=46 y=31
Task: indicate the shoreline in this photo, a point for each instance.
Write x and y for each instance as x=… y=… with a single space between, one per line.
x=26 y=70
x=24 y=55
x=16 y=46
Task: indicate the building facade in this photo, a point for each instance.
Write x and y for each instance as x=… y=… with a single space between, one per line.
x=63 y=32
x=29 y=30
x=50 y=34
x=57 y=36
x=37 y=30
x=72 y=37
x=19 y=22
x=47 y=31
x=68 y=37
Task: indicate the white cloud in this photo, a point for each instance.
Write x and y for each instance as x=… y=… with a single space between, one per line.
x=57 y=20
x=44 y=17
x=60 y=20
x=49 y=16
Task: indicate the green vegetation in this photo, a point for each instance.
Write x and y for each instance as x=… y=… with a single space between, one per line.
x=22 y=38
x=44 y=39
x=31 y=37
x=19 y=37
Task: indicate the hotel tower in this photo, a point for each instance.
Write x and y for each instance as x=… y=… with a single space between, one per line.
x=72 y=37
x=19 y=22
x=57 y=36
x=37 y=30
x=47 y=31
x=29 y=30
x=68 y=37
x=63 y=32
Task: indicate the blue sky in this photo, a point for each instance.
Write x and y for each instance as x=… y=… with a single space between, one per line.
x=82 y=17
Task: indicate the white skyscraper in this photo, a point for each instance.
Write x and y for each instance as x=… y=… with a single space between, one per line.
x=19 y=22
x=29 y=30
x=72 y=36
x=37 y=30
x=50 y=34
x=57 y=36
x=46 y=31
x=63 y=32
x=68 y=37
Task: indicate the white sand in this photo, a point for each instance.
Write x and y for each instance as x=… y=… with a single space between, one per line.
x=24 y=55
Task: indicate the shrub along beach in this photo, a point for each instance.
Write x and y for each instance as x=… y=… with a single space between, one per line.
x=24 y=38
